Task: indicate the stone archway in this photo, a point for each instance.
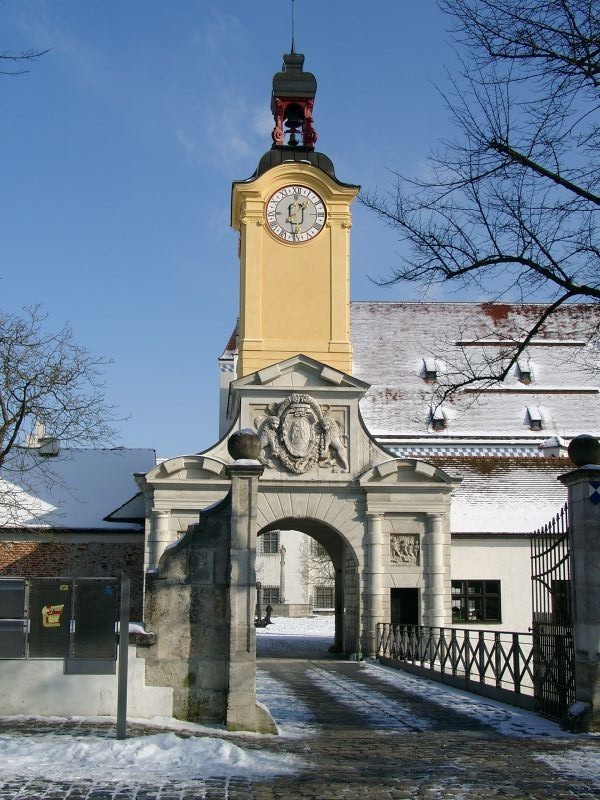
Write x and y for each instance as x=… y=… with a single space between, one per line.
x=346 y=572
x=350 y=495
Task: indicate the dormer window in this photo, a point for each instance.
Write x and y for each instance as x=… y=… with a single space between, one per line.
x=430 y=370
x=535 y=418
x=524 y=370
x=438 y=419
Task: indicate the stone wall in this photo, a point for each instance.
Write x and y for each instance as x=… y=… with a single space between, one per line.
x=186 y=607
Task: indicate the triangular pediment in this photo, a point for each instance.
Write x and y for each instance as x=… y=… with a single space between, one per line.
x=300 y=371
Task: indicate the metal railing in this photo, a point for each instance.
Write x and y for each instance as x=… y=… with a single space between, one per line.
x=500 y=659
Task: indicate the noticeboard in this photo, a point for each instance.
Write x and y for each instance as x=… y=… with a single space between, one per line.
x=12 y=638
x=49 y=617
x=12 y=598
x=96 y=611
x=69 y=618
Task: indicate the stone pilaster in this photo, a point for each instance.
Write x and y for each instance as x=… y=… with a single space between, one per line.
x=375 y=578
x=435 y=573
x=159 y=537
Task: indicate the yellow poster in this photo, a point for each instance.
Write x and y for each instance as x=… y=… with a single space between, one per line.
x=51 y=616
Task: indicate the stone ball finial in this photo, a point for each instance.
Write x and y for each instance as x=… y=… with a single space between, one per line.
x=244 y=444
x=584 y=449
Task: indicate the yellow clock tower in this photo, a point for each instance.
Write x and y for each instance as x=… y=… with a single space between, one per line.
x=293 y=218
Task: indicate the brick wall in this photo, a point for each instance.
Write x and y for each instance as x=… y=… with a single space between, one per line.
x=34 y=559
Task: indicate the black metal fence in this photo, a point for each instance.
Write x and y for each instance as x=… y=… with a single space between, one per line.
x=499 y=659
x=553 y=650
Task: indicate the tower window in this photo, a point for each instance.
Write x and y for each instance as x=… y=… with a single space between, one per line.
x=270 y=543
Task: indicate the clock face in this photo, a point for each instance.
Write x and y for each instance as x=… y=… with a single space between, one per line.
x=295 y=214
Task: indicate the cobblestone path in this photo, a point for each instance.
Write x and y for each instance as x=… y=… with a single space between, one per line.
x=358 y=738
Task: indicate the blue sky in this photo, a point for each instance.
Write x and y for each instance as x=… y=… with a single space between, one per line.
x=118 y=152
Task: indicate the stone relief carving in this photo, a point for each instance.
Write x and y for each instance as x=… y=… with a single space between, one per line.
x=299 y=433
x=404 y=550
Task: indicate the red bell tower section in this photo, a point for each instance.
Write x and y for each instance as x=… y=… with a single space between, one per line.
x=292 y=105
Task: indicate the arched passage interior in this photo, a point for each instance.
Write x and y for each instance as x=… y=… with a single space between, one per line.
x=345 y=569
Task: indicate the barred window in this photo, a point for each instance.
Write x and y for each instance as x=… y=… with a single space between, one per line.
x=323 y=597
x=476 y=601
x=270 y=595
x=270 y=542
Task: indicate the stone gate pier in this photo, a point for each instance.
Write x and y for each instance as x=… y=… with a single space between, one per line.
x=200 y=602
x=583 y=485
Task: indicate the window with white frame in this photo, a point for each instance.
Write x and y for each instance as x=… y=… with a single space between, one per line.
x=476 y=601
x=269 y=543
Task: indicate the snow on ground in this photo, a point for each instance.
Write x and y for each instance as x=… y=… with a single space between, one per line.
x=506 y=720
x=382 y=713
x=140 y=759
x=323 y=626
x=294 y=718
x=580 y=762
x=296 y=637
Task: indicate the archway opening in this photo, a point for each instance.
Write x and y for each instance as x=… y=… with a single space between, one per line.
x=308 y=575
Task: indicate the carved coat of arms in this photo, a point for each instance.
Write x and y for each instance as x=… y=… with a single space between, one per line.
x=300 y=434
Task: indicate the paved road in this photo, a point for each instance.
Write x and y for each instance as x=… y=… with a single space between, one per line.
x=360 y=738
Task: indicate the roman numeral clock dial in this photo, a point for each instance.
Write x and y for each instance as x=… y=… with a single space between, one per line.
x=295 y=214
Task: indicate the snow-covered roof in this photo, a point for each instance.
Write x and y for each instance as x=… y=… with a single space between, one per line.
x=397 y=346
x=504 y=495
x=74 y=490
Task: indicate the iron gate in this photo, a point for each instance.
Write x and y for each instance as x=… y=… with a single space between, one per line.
x=552 y=627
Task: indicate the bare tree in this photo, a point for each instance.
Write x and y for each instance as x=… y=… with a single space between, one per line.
x=510 y=206
x=48 y=385
x=316 y=566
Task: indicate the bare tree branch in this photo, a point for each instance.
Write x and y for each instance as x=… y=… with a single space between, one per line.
x=510 y=205
x=17 y=59
x=47 y=382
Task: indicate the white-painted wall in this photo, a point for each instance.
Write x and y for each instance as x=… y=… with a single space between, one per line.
x=298 y=586
x=506 y=560
x=39 y=687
